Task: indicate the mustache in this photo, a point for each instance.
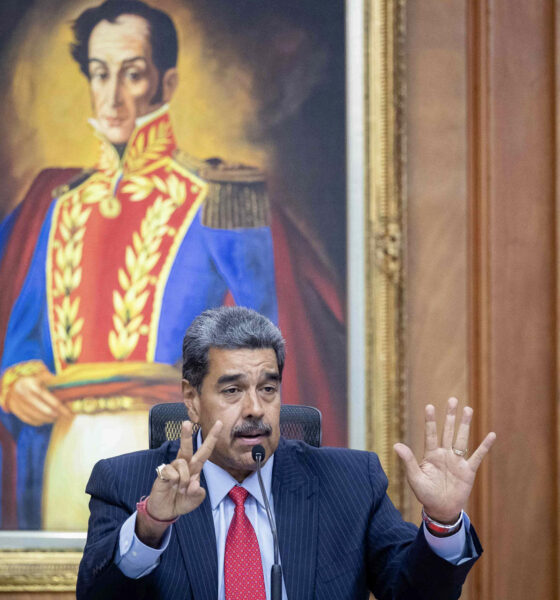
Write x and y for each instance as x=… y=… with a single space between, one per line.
x=251 y=427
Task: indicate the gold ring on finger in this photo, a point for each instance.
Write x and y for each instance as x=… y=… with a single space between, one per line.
x=159 y=472
x=460 y=452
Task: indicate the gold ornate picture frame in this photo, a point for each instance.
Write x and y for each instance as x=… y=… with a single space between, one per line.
x=376 y=279
x=385 y=235
x=39 y=570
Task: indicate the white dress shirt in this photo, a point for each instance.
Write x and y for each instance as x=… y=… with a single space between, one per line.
x=135 y=559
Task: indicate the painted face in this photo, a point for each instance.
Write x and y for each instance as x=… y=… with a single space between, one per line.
x=242 y=389
x=123 y=78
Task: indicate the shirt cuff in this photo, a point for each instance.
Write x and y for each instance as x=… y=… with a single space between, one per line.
x=451 y=548
x=134 y=558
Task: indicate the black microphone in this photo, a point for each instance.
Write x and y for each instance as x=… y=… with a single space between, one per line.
x=259 y=453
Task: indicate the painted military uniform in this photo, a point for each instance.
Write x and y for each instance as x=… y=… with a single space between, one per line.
x=126 y=256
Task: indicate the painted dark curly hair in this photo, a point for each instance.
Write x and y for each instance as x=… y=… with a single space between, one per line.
x=163 y=35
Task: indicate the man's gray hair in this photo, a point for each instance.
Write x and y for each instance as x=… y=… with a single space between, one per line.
x=231 y=328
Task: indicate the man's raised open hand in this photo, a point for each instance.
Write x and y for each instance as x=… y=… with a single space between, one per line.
x=443 y=481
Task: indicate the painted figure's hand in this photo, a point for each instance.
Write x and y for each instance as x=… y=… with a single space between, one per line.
x=443 y=481
x=30 y=401
x=178 y=490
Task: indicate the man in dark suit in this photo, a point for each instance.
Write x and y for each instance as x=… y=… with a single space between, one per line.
x=186 y=533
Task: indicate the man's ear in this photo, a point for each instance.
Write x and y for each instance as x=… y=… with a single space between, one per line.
x=191 y=400
x=169 y=83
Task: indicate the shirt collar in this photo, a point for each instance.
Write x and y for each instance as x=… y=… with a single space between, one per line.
x=219 y=482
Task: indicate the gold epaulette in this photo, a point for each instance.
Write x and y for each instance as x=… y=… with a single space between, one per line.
x=73 y=183
x=236 y=197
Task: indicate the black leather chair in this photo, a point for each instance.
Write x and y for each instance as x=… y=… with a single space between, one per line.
x=296 y=423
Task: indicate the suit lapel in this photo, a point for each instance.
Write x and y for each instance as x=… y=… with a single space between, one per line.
x=296 y=509
x=197 y=540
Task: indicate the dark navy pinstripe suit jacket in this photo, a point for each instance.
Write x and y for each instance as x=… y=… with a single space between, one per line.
x=339 y=534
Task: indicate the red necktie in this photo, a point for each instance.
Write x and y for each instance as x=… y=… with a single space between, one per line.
x=243 y=572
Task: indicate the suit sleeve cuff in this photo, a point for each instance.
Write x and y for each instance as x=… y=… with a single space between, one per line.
x=134 y=558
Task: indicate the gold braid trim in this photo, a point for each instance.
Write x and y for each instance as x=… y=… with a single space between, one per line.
x=91 y=405
x=236 y=206
x=237 y=196
x=30 y=368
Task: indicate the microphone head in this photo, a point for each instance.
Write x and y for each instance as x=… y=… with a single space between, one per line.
x=258 y=453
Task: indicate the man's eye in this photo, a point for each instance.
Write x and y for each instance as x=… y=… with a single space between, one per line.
x=269 y=389
x=134 y=75
x=230 y=391
x=99 y=76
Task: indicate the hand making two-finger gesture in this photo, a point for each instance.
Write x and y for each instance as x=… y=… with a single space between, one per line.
x=176 y=490
x=442 y=482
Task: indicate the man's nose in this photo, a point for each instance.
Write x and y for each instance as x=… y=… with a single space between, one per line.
x=114 y=90
x=252 y=404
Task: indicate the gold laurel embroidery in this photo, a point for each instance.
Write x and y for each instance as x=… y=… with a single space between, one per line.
x=29 y=368
x=109 y=159
x=67 y=276
x=149 y=145
x=99 y=192
x=140 y=258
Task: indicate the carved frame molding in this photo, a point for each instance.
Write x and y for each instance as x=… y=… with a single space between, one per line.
x=385 y=223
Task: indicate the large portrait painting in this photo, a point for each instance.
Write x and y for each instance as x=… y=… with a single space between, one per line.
x=158 y=162
x=162 y=158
